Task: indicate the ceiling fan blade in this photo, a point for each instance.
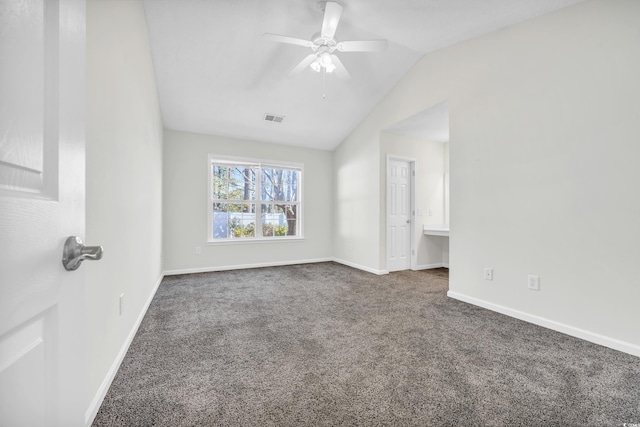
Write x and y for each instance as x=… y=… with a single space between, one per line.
x=341 y=71
x=362 y=46
x=286 y=39
x=332 y=12
x=303 y=64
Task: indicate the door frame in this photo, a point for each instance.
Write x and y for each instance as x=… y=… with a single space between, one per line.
x=412 y=194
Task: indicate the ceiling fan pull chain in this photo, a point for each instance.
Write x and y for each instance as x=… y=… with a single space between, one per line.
x=324 y=83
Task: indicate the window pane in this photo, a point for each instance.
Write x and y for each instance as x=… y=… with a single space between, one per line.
x=268 y=187
x=279 y=184
x=290 y=184
x=234 y=220
x=270 y=220
x=242 y=220
x=291 y=227
x=250 y=180
x=291 y=215
x=234 y=183
x=279 y=220
x=220 y=221
x=220 y=182
x=242 y=183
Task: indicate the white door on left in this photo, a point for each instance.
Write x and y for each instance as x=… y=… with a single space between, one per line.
x=42 y=189
x=398 y=215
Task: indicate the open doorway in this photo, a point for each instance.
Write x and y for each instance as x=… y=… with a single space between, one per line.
x=419 y=143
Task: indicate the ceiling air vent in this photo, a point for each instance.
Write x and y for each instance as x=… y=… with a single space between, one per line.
x=273 y=118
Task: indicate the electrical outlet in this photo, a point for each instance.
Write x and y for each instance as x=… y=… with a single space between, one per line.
x=488 y=274
x=534 y=283
x=121 y=304
x=198 y=250
x=430 y=212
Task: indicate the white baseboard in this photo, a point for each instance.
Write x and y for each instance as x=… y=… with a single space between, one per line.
x=243 y=266
x=551 y=324
x=360 y=267
x=272 y=264
x=94 y=406
x=430 y=266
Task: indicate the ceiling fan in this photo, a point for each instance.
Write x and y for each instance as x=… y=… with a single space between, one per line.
x=324 y=45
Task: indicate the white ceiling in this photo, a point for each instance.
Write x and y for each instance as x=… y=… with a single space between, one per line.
x=216 y=75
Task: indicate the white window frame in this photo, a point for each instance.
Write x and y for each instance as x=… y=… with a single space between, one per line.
x=259 y=163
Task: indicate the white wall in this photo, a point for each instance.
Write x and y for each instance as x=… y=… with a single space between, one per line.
x=358 y=214
x=543 y=161
x=429 y=159
x=186 y=203
x=124 y=182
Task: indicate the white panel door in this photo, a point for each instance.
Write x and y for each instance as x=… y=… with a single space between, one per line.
x=398 y=215
x=41 y=204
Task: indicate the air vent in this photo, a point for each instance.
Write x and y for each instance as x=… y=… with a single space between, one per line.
x=273 y=118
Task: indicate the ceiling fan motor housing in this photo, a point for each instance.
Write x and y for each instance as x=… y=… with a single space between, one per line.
x=322 y=5
x=320 y=42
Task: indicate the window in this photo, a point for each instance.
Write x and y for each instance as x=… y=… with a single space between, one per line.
x=254 y=200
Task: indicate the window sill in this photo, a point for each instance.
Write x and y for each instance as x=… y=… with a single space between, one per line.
x=250 y=241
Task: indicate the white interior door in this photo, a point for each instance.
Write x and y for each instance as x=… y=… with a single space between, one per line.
x=41 y=204
x=398 y=215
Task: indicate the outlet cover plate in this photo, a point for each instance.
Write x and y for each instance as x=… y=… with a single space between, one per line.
x=533 y=282
x=121 y=304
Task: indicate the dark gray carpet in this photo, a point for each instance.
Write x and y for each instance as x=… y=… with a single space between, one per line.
x=324 y=344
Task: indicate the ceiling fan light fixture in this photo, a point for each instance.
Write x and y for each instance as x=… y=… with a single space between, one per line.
x=315 y=66
x=325 y=60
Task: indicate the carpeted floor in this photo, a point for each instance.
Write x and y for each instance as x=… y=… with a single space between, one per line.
x=325 y=344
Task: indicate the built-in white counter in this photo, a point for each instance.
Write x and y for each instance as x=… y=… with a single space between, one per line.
x=436 y=230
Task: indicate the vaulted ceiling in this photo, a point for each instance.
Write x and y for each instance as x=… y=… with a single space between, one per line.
x=217 y=75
